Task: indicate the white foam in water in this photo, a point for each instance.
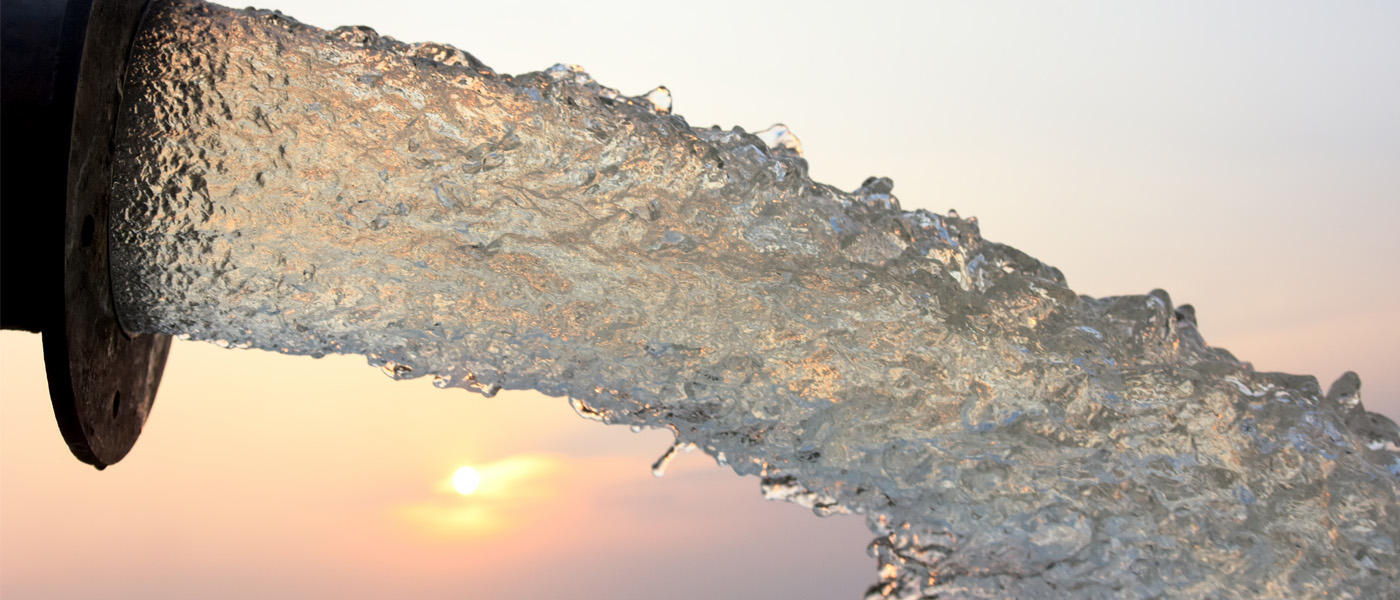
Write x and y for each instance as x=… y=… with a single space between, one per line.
x=313 y=192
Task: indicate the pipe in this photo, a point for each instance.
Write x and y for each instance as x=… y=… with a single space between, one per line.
x=63 y=64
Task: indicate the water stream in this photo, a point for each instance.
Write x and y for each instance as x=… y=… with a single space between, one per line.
x=311 y=192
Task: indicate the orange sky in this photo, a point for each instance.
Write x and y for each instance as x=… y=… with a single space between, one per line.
x=267 y=476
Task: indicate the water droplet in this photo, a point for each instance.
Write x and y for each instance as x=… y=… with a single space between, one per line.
x=584 y=411
x=1187 y=314
x=485 y=389
x=1346 y=391
x=659 y=100
x=395 y=370
x=780 y=139
x=658 y=468
x=876 y=192
x=561 y=72
x=785 y=488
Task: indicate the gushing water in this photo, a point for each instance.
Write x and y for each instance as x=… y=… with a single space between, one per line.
x=313 y=192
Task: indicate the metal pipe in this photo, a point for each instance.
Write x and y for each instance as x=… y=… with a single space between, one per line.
x=63 y=66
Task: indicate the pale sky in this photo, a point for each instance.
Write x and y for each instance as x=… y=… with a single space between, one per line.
x=1243 y=156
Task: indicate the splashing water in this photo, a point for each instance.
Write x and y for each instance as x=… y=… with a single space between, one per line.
x=283 y=187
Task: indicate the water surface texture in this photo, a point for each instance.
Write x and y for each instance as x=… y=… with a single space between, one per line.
x=311 y=192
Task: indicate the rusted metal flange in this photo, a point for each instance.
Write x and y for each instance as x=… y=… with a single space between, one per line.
x=102 y=380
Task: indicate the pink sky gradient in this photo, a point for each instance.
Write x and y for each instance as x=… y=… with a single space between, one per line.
x=267 y=476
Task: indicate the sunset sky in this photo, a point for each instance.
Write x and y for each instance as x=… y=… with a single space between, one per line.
x=1242 y=157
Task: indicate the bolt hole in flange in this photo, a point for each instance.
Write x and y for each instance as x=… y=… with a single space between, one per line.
x=116 y=403
x=89 y=225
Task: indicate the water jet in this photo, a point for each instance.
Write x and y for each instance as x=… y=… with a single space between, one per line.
x=1106 y=353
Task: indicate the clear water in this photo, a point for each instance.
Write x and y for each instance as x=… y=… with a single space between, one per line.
x=314 y=192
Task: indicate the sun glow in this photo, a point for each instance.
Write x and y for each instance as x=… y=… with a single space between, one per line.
x=506 y=494
x=466 y=480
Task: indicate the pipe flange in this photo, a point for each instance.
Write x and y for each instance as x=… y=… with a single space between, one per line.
x=102 y=379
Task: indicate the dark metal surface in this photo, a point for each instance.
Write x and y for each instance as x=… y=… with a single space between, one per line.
x=102 y=381
x=34 y=145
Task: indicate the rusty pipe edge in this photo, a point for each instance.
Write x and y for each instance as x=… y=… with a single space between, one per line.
x=62 y=77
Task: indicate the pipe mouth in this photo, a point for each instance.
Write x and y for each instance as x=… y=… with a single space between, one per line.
x=63 y=71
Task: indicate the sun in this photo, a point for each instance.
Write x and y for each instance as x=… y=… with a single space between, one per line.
x=466 y=480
